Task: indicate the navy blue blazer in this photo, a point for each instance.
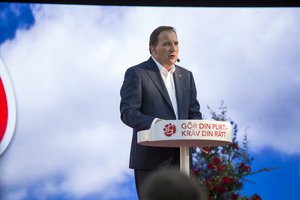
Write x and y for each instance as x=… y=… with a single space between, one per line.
x=144 y=97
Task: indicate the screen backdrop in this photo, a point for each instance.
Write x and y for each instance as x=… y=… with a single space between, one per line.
x=67 y=63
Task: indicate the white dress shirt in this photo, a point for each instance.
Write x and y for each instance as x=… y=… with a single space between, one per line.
x=168 y=79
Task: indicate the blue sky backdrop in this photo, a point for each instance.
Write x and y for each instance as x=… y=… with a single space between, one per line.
x=67 y=63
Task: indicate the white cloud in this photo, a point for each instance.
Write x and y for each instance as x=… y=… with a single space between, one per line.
x=67 y=92
x=68 y=69
x=20 y=194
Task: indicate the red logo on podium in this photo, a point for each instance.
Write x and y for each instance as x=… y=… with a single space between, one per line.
x=169 y=129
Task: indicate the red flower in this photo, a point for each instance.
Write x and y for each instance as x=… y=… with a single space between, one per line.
x=221 y=168
x=216 y=188
x=248 y=169
x=234 y=196
x=217 y=160
x=235 y=146
x=222 y=189
x=211 y=166
x=255 y=197
x=245 y=167
x=227 y=180
x=207 y=183
x=195 y=172
x=207 y=149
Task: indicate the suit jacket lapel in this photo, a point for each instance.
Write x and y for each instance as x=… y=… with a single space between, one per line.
x=179 y=86
x=155 y=76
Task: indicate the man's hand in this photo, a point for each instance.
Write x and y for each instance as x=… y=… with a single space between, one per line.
x=158 y=120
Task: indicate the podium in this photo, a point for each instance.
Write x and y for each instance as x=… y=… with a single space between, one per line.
x=186 y=134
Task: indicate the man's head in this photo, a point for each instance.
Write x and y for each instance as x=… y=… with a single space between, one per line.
x=163 y=45
x=171 y=185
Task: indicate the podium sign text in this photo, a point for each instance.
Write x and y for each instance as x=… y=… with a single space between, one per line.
x=187 y=133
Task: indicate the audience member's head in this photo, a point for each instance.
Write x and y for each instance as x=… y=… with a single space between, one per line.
x=171 y=185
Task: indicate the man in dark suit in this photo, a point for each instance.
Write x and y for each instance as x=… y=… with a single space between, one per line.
x=154 y=90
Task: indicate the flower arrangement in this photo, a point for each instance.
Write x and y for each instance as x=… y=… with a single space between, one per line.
x=223 y=169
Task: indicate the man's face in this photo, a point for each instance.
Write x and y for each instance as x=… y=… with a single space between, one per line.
x=167 y=48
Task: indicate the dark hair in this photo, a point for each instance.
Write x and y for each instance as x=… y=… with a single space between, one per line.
x=154 y=35
x=171 y=185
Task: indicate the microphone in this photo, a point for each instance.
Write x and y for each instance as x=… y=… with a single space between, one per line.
x=178 y=60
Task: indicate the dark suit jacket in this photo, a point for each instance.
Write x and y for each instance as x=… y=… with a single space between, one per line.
x=144 y=97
